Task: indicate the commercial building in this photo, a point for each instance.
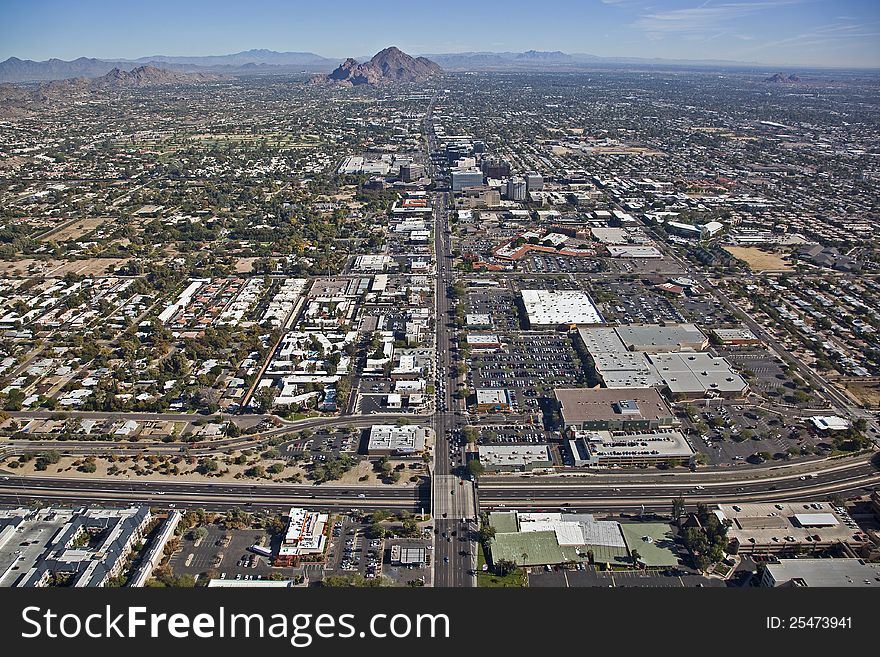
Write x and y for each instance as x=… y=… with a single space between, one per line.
x=305 y=533
x=735 y=337
x=550 y=308
x=514 y=458
x=604 y=409
x=408 y=555
x=696 y=375
x=517 y=189
x=393 y=440
x=639 y=251
x=538 y=539
x=412 y=172
x=818 y=573
x=71 y=548
x=535 y=182
x=789 y=527
x=605 y=448
x=491 y=399
x=462 y=178
x=654 y=338
x=483 y=341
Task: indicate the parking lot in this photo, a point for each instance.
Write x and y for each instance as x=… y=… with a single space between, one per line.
x=530 y=366
x=548 y=263
x=734 y=433
x=326 y=442
x=637 y=304
x=351 y=551
x=226 y=553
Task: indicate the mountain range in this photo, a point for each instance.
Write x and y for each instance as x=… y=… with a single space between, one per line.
x=20 y=101
x=387 y=66
x=261 y=61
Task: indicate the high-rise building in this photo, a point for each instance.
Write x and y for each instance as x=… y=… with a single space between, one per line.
x=462 y=178
x=412 y=172
x=516 y=189
x=534 y=182
x=495 y=168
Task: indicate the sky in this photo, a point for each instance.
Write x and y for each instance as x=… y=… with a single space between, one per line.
x=833 y=33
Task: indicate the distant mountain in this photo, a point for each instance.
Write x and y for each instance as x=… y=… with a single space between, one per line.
x=783 y=78
x=251 y=61
x=20 y=101
x=388 y=66
x=246 y=57
x=534 y=60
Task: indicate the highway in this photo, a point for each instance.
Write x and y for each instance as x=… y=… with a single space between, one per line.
x=21 y=490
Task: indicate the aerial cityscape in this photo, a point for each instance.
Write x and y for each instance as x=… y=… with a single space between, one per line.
x=487 y=317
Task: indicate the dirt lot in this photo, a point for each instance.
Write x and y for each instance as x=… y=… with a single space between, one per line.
x=758 y=259
x=867 y=393
x=74 y=230
x=58 y=268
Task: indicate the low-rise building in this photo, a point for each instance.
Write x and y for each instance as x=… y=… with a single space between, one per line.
x=393 y=440
x=305 y=533
x=492 y=399
x=817 y=573
x=514 y=458
x=606 y=448
x=789 y=527
x=597 y=409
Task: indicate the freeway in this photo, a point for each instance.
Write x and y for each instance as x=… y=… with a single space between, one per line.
x=22 y=490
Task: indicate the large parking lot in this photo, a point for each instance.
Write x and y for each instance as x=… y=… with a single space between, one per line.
x=637 y=304
x=327 y=442
x=734 y=433
x=530 y=367
x=226 y=553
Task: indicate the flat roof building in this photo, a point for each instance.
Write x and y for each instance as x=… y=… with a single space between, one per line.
x=694 y=375
x=555 y=307
x=489 y=399
x=511 y=458
x=74 y=548
x=304 y=534
x=596 y=409
x=393 y=440
x=818 y=573
x=789 y=527
x=655 y=338
x=735 y=336
x=604 y=448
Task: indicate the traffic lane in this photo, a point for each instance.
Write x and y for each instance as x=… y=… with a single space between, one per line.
x=13 y=481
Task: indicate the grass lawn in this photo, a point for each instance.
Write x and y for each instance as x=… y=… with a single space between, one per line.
x=516 y=579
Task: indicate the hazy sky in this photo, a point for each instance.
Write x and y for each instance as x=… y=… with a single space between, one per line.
x=784 y=32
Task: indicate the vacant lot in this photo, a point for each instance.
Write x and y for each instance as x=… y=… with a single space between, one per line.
x=867 y=393
x=58 y=268
x=73 y=230
x=758 y=259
